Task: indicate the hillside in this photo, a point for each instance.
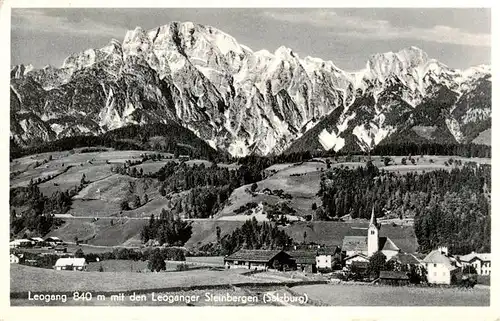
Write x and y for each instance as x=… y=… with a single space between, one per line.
x=170 y=137
x=95 y=214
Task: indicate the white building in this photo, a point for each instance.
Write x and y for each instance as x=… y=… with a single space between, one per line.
x=21 y=243
x=14 y=259
x=37 y=240
x=71 y=264
x=53 y=240
x=326 y=257
x=441 y=268
x=480 y=261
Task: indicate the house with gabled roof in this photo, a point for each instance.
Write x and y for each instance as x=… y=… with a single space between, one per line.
x=328 y=257
x=356 y=258
x=441 y=267
x=393 y=278
x=304 y=259
x=480 y=261
x=71 y=264
x=259 y=260
x=405 y=260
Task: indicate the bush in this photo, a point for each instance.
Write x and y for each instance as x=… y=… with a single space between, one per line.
x=156 y=261
x=124 y=205
x=182 y=267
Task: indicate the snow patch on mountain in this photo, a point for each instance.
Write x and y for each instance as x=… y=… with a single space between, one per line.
x=331 y=140
x=370 y=135
x=454 y=128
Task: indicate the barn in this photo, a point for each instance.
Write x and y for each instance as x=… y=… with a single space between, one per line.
x=394 y=278
x=259 y=260
x=71 y=264
x=305 y=260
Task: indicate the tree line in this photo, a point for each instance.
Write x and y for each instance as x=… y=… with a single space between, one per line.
x=167 y=229
x=38 y=209
x=253 y=235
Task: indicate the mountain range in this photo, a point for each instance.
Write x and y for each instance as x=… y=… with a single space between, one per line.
x=249 y=102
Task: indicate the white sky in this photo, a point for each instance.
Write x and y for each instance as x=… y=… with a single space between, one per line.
x=457 y=37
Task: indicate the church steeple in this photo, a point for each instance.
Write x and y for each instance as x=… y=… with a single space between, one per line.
x=373 y=219
x=373 y=231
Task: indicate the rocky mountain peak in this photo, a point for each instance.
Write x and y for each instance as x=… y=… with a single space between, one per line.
x=237 y=99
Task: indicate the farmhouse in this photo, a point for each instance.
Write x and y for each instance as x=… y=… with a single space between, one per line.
x=328 y=257
x=480 y=261
x=356 y=258
x=21 y=243
x=259 y=260
x=394 y=278
x=368 y=245
x=37 y=240
x=14 y=259
x=71 y=264
x=183 y=158
x=53 y=240
x=441 y=268
x=405 y=260
x=305 y=260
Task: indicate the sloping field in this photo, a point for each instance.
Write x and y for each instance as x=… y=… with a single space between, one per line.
x=302 y=188
x=366 y=295
x=204 y=231
x=103 y=197
x=24 y=163
x=73 y=176
x=26 y=278
x=483 y=138
x=39 y=172
x=101 y=232
x=153 y=167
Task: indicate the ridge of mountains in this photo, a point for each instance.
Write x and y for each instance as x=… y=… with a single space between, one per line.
x=249 y=102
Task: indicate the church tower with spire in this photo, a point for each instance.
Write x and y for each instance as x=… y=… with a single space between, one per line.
x=373 y=235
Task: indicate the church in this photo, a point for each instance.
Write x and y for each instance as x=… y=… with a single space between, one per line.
x=360 y=248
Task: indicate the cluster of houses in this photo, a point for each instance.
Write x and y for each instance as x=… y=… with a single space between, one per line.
x=440 y=266
x=63 y=263
x=52 y=241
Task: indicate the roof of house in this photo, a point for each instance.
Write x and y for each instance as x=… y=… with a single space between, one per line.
x=386 y=244
x=71 y=261
x=393 y=275
x=471 y=256
x=54 y=238
x=355 y=243
x=253 y=255
x=356 y=255
x=38 y=239
x=439 y=258
x=20 y=241
x=328 y=250
x=303 y=256
x=360 y=264
x=405 y=258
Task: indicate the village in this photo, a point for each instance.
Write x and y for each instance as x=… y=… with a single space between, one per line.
x=369 y=259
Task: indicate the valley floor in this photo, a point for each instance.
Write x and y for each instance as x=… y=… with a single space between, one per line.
x=223 y=288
